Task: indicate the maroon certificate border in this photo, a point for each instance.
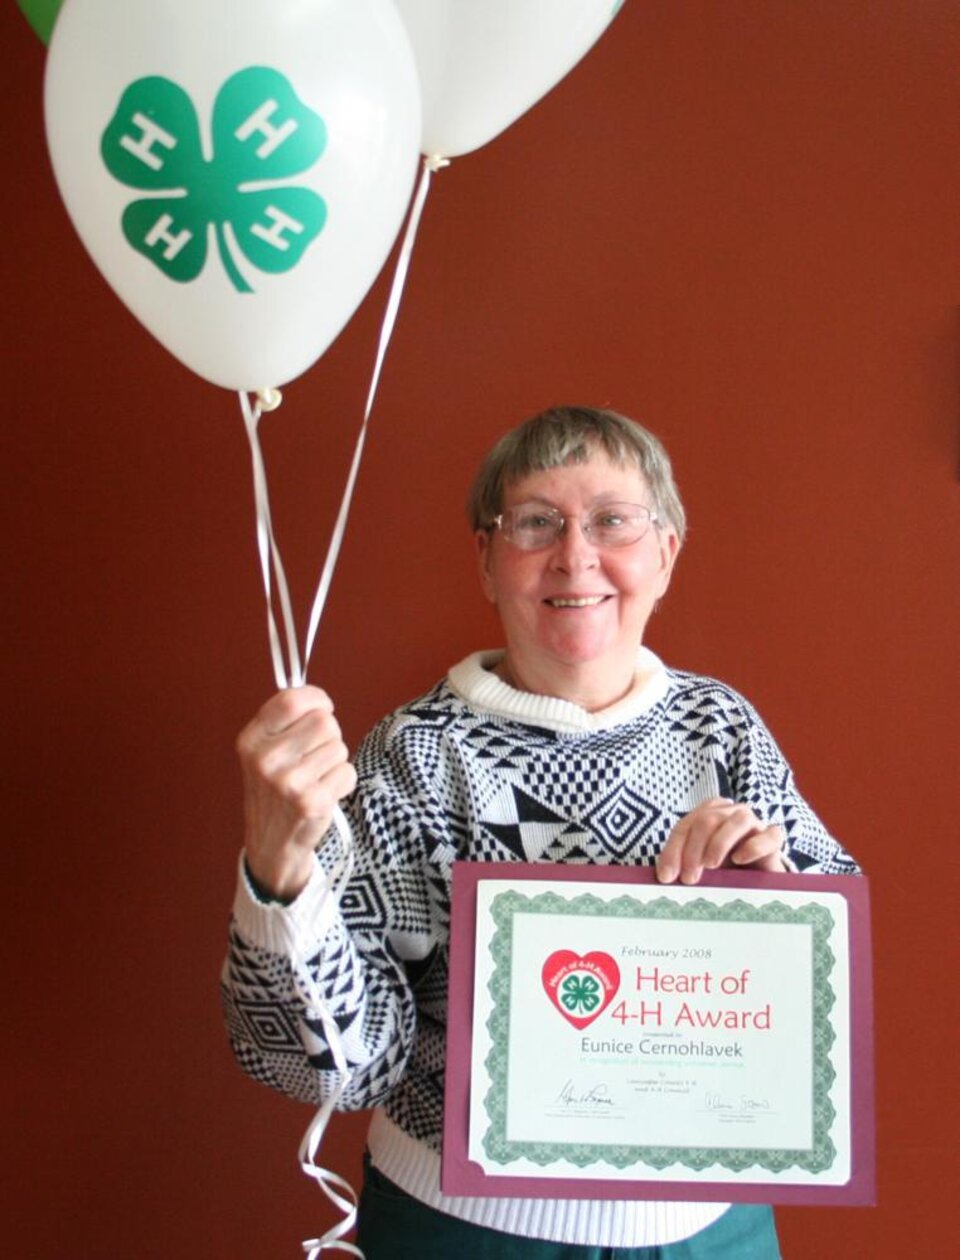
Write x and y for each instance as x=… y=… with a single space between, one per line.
x=461 y=1176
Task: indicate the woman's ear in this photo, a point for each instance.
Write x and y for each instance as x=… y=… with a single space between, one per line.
x=669 y=544
x=483 y=542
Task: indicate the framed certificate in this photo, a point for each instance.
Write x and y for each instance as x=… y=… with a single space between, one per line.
x=610 y=1036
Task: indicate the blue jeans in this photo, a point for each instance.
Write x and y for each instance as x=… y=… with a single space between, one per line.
x=395 y=1226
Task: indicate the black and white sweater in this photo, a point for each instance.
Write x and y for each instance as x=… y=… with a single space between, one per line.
x=476 y=770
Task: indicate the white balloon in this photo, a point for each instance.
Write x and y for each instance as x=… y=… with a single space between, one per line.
x=483 y=63
x=238 y=169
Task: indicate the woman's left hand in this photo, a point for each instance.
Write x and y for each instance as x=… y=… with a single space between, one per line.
x=719 y=833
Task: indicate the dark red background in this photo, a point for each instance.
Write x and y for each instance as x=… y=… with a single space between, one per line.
x=738 y=221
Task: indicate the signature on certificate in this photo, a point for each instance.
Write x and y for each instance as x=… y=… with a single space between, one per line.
x=594 y=1095
x=737 y=1104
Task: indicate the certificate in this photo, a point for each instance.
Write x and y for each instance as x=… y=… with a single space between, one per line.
x=610 y=1036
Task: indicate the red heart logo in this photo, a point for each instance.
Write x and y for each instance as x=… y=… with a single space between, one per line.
x=581 y=987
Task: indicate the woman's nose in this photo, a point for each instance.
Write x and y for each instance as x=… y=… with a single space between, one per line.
x=573 y=549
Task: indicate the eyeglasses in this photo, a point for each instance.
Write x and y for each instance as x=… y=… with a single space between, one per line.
x=532 y=526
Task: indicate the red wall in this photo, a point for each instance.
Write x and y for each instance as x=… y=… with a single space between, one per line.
x=737 y=221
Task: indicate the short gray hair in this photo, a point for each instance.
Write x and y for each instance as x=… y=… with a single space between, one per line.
x=572 y=435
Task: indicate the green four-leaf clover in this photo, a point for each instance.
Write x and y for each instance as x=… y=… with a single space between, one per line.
x=262 y=134
x=580 y=993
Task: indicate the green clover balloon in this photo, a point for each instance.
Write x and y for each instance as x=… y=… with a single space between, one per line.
x=41 y=14
x=262 y=134
x=580 y=993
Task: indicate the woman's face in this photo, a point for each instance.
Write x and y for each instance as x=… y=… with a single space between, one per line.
x=574 y=614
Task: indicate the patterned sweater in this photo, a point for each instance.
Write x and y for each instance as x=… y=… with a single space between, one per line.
x=476 y=770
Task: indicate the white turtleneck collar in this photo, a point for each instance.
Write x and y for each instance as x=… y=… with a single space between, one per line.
x=473 y=680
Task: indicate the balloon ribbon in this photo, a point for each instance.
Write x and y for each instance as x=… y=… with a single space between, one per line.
x=291 y=671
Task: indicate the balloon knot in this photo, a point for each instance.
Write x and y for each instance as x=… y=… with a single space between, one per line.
x=269 y=399
x=435 y=162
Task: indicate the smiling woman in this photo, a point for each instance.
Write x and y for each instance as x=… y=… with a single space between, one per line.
x=572 y=743
x=575 y=603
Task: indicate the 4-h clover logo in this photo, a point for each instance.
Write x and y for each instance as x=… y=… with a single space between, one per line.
x=580 y=993
x=580 y=986
x=262 y=135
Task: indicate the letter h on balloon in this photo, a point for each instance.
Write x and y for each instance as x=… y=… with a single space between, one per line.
x=259 y=121
x=142 y=147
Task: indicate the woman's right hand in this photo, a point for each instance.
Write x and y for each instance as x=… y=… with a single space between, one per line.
x=295 y=769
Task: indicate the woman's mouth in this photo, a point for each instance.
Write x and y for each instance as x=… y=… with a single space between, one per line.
x=577 y=601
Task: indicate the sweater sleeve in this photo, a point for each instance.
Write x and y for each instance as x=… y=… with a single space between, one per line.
x=761 y=778
x=361 y=956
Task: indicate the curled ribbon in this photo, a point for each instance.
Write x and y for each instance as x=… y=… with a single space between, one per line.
x=290 y=670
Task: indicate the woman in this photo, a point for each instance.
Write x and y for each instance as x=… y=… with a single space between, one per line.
x=578 y=525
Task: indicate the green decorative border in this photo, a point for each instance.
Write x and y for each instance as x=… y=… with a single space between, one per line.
x=502 y=1151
